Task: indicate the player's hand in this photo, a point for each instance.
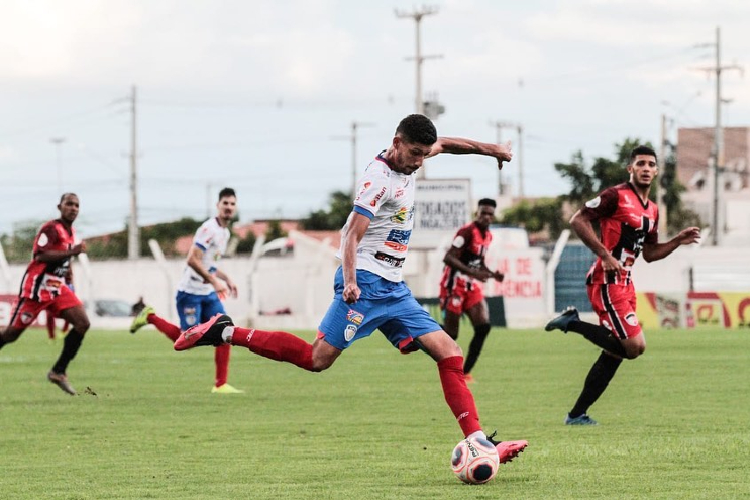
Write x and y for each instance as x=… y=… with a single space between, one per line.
x=232 y=289
x=221 y=288
x=504 y=153
x=351 y=293
x=611 y=266
x=689 y=235
x=498 y=276
x=78 y=248
x=482 y=274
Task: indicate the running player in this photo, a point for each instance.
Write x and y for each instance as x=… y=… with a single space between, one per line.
x=369 y=291
x=628 y=225
x=462 y=284
x=43 y=287
x=203 y=287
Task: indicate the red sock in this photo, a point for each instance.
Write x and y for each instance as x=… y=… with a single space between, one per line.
x=279 y=346
x=221 y=359
x=169 y=329
x=457 y=395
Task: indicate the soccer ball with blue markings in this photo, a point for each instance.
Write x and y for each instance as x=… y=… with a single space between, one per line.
x=475 y=461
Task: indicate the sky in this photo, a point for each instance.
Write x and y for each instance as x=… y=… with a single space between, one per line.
x=261 y=95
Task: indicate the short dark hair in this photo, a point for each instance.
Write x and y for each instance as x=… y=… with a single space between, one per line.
x=226 y=192
x=64 y=195
x=641 y=150
x=417 y=128
x=487 y=202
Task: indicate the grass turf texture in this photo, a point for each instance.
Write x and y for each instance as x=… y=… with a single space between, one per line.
x=673 y=424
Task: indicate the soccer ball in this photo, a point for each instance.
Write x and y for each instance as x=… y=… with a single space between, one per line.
x=475 y=460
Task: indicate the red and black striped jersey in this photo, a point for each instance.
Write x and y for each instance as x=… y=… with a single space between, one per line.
x=473 y=243
x=626 y=223
x=42 y=280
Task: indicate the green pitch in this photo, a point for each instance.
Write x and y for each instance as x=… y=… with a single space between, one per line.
x=673 y=424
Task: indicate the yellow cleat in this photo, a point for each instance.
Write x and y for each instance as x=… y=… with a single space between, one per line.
x=226 y=389
x=141 y=319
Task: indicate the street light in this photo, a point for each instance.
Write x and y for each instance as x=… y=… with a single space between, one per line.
x=58 y=142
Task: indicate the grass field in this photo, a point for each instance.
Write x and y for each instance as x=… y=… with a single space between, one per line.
x=674 y=424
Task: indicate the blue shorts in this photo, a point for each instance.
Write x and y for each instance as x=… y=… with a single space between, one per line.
x=385 y=305
x=194 y=309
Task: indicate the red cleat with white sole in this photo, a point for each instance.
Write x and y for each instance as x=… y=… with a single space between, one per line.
x=208 y=333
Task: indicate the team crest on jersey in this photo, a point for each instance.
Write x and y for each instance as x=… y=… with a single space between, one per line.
x=349 y=332
x=631 y=319
x=26 y=318
x=354 y=317
x=594 y=203
x=403 y=215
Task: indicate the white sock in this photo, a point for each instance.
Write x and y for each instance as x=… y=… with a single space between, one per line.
x=226 y=335
x=476 y=435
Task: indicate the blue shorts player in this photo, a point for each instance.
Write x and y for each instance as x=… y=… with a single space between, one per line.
x=202 y=286
x=369 y=291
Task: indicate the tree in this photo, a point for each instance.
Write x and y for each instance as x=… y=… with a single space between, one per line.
x=537 y=216
x=340 y=205
x=274 y=231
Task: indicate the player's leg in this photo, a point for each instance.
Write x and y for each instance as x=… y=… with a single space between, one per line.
x=597 y=380
x=479 y=314
x=23 y=314
x=599 y=296
x=77 y=317
x=211 y=306
x=51 y=326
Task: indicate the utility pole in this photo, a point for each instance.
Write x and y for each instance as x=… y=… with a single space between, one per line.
x=499 y=125
x=717 y=152
x=133 y=231
x=58 y=142
x=417 y=15
x=352 y=138
x=659 y=190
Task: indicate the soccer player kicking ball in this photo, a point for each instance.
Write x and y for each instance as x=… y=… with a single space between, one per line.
x=629 y=222
x=44 y=287
x=369 y=292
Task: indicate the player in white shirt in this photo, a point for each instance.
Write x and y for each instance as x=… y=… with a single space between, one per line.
x=203 y=286
x=369 y=292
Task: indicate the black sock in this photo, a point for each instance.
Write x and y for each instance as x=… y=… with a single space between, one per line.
x=475 y=347
x=73 y=342
x=598 y=335
x=596 y=382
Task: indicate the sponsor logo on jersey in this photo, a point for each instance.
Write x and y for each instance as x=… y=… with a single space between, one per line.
x=631 y=319
x=390 y=259
x=399 y=193
x=361 y=191
x=398 y=240
x=594 y=203
x=349 y=332
x=378 y=196
x=354 y=317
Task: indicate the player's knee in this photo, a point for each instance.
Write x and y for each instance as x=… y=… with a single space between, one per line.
x=10 y=335
x=482 y=330
x=82 y=325
x=321 y=363
x=635 y=351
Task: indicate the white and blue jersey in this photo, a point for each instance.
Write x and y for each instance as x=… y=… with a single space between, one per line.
x=385 y=197
x=197 y=300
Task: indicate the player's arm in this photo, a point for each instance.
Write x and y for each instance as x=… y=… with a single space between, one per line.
x=658 y=251
x=49 y=255
x=195 y=261
x=461 y=146
x=230 y=284
x=581 y=224
x=452 y=259
x=353 y=232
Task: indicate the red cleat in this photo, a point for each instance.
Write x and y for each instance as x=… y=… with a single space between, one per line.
x=208 y=333
x=508 y=450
